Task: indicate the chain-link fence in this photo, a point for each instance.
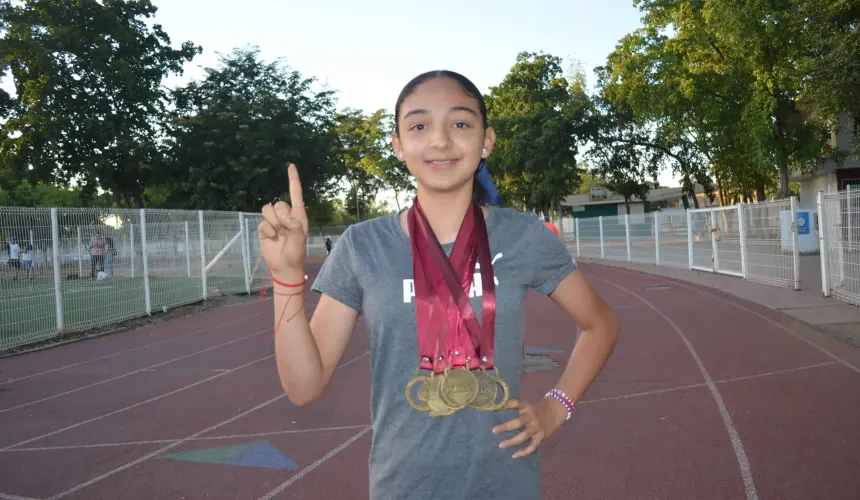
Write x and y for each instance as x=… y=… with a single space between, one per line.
x=754 y=241
x=73 y=269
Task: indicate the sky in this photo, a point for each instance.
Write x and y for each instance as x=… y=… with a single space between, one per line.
x=368 y=49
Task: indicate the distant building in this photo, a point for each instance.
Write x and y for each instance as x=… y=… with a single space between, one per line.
x=601 y=201
x=829 y=177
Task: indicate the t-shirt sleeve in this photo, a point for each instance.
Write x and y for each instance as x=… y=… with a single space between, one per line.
x=552 y=262
x=337 y=277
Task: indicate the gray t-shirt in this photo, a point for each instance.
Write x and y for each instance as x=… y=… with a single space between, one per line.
x=413 y=455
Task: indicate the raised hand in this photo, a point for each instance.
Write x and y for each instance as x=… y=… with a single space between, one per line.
x=283 y=234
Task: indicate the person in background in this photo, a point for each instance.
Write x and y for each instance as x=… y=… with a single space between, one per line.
x=328 y=245
x=97 y=254
x=111 y=251
x=552 y=227
x=27 y=261
x=15 y=256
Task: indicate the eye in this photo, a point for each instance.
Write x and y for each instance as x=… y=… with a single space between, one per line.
x=418 y=126
x=461 y=125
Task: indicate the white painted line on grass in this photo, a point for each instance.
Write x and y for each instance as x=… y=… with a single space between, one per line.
x=124 y=375
x=734 y=436
x=133 y=349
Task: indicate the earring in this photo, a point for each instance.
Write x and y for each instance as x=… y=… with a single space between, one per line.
x=400 y=155
x=485 y=151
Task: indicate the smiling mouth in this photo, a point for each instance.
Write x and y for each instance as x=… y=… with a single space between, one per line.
x=442 y=163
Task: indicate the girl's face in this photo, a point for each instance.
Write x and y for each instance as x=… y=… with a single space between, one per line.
x=442 y=137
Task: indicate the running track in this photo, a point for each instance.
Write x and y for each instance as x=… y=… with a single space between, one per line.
x=706 y=397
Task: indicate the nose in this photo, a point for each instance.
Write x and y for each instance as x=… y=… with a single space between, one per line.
x=440 y=137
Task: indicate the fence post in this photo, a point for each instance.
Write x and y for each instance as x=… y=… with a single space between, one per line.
x=690 y=239
x=245 y=264
x=202 y=256
x=576 y=230
x=600 y=221
x=55 y=260
x=627 y=236
x=146 y=290
x=742 y=229
x=794 y=253
x=715 y=248
x=657 y=237
x=131 y=246
x=823 y=249
x=80 y=259
x=251 y=271
x=187 y=251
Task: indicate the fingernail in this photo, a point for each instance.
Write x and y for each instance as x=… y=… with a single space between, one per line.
x=287 y=219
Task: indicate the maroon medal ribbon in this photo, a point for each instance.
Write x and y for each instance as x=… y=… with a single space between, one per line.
x=461 y=340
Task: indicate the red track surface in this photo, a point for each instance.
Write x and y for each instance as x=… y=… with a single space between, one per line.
x=706 y=397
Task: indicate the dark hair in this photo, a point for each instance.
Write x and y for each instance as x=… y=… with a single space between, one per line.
x=468 y=87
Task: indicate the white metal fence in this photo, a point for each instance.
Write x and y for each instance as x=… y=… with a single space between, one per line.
x=756 y=242
x=839 y=229
x=80 y=268
x=74 y=269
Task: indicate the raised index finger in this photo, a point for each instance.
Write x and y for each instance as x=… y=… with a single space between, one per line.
x=296 y=200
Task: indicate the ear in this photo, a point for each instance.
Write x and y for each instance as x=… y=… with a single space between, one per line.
x=489 y=142
x=395 y=144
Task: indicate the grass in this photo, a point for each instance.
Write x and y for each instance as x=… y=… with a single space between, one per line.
x=28 y=309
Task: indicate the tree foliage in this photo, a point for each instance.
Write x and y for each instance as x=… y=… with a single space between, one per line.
x=232 y=135
x=88 y=81
x=540 y=119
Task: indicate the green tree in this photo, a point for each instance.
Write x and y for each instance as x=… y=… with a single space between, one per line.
x=720 y=80
x=88 y=81
x=539 y=118
x=232 y=135
x=829 y=31
x=360 y=148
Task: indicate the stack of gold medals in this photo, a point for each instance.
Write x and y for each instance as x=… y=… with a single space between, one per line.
x=459 y=378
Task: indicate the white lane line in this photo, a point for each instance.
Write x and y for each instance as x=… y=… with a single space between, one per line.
x=302 y=473
x=703 y=384
x=205 y=438
x=150 y=400
x=794 y=334
x=133 y=349
x=124 y=375
x=179 y=442
x=6 y=496
x=734 y=436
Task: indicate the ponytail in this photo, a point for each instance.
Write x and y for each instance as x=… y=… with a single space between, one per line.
x=483 y=190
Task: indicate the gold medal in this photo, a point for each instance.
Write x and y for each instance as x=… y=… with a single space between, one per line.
x=422 y=391
x=487 y=390
x=458 y=387
x=437 y=406
x=505 y=393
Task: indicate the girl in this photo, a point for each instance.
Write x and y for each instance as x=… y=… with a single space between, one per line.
x=445 y=409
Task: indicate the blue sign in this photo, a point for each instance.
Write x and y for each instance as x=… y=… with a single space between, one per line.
x=802 y=222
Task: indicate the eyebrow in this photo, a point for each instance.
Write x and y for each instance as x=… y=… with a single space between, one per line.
x=424 y=111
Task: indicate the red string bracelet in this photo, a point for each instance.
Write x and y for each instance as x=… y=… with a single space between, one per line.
x=288 y=285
